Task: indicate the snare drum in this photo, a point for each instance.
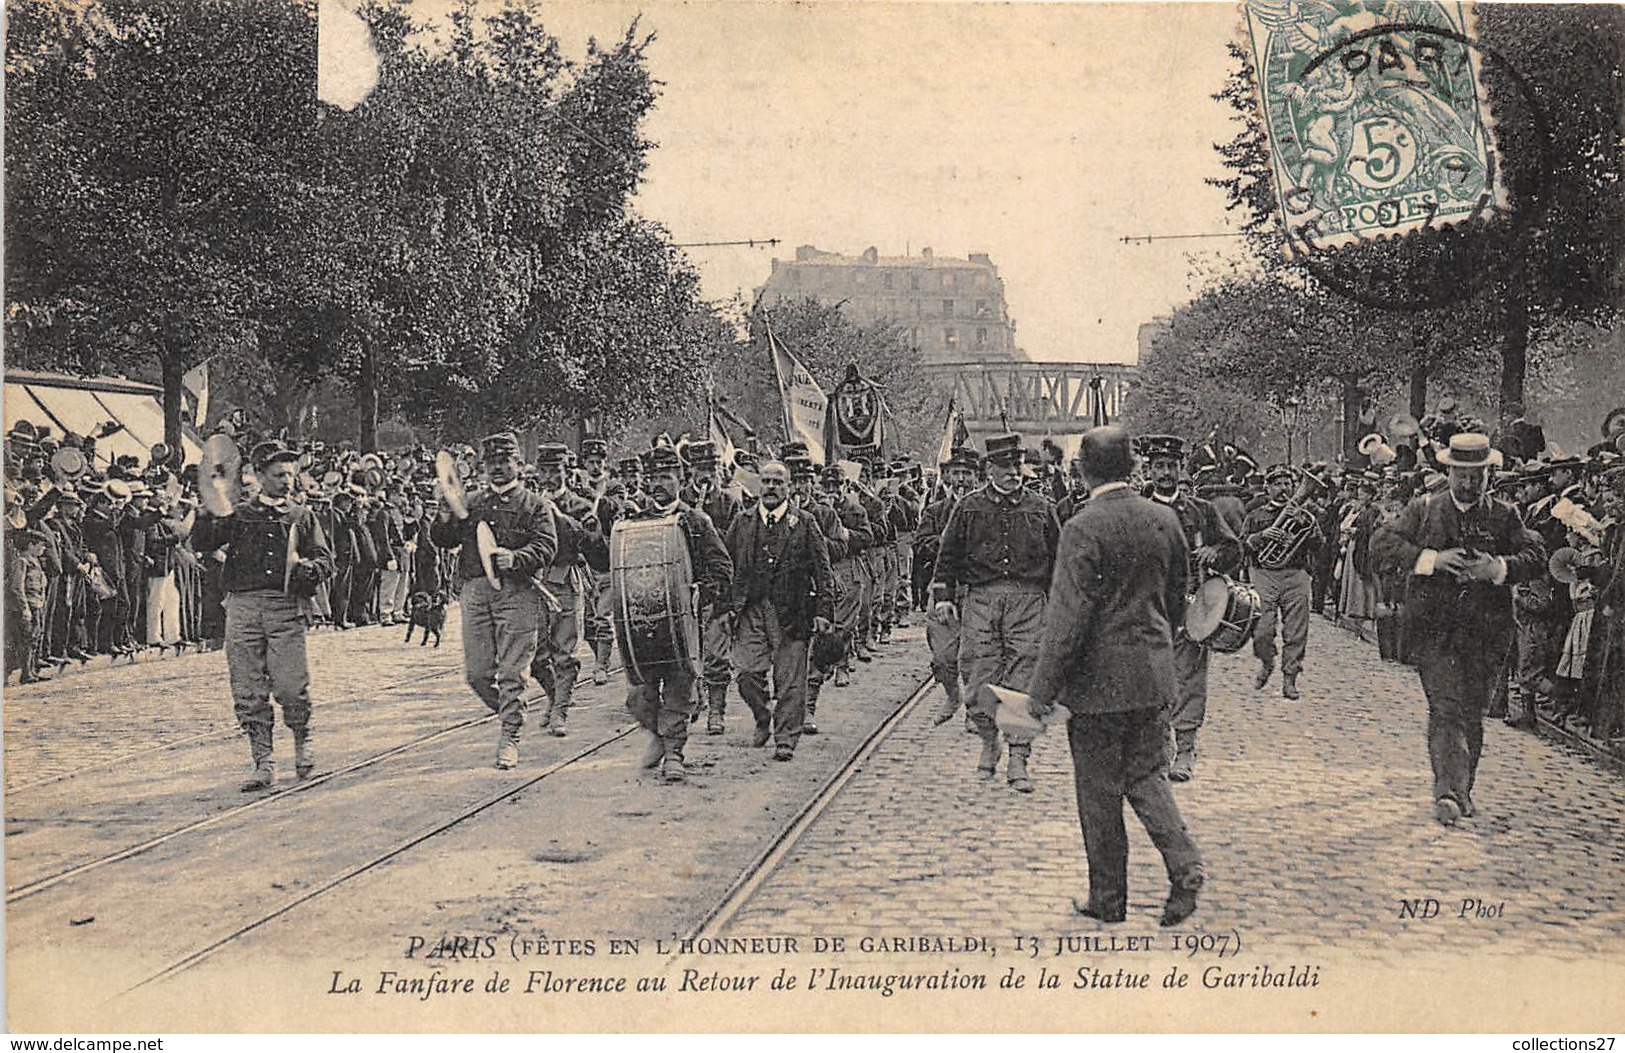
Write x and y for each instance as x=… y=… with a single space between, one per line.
x=1222 y=614
x=655 y=606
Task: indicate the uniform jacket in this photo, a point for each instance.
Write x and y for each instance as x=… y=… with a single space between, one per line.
x=1472 y=615
x=829 y=524
x=993 y=537
x=579 y=544
x=720 y=503
x=258 y=538
x=1261 y=517
x=860 y=535
x=786 y=562
x=1119 y=589
x=1203 y=525
x=522 y=522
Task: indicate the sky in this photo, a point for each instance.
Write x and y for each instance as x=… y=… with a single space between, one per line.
x=1040 y=134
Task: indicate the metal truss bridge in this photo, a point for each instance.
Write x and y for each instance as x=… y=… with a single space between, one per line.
x=1035 y=398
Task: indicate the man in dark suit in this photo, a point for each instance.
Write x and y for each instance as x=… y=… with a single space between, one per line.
x=783 y=592
x=1107 y=654
x=1463 y=552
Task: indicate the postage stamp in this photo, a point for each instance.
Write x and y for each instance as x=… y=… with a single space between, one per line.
x=1375 y=117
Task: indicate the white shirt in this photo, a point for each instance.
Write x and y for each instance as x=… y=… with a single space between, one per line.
x=505 y=487
x=775 y=516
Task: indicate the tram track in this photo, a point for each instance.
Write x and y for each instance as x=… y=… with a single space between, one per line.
x=766 y=862
x=220 y=734
x=46 y=882
x=350 y=873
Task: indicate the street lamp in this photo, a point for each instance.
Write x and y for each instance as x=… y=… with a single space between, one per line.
x=1289 y=422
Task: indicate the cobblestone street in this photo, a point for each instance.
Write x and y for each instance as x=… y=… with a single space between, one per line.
x=1314 y=817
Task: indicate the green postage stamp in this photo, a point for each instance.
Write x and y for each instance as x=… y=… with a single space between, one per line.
x=1376 y=121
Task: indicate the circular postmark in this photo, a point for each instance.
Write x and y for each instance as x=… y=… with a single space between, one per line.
x=1400 y=195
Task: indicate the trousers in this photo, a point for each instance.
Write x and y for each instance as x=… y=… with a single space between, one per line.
x=1283 y=592
x=1190 y=698
x=555 y=665
x=662 y=704
x=499 y=642
x=1117 y=756
x=999 y=630
x=265 y=658
x=1458 y=679
x=761 y=646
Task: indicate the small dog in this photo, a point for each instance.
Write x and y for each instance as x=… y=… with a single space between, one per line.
x=428 y=610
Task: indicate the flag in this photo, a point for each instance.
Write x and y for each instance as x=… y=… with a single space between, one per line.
x=195 y=382
x=954 y=434
x=805 y=405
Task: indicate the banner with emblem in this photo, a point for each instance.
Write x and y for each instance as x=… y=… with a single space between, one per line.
x=858 y=410
x=804 y=402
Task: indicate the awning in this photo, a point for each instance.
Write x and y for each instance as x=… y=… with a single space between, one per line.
x=82 y=405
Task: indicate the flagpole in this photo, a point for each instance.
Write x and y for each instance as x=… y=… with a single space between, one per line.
x=778 y=375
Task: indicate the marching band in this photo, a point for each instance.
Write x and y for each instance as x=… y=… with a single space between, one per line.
x=1498 y=571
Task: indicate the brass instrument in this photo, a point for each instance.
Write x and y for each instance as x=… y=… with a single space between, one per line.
x=1293 y=527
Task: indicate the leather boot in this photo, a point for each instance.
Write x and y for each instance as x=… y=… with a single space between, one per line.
x=1289 y=686
x=1266 y=668
x=809 y=725
x=1184 y=765
x=950 y=706
x=653 y=752
x=989 y=761
x=508 y=748
x=716 y=709
x=1182 y=896
x=259 y=750
x=559 y=717
x=600 y=664
x=672 y=768
x=304 y=759
x=1016 y=768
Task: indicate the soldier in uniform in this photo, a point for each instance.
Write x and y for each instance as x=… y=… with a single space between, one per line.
x=598 y=481
x=822 y=660
x=662 y=704
x=783 y=593
x=880 y=559
x=906 y=509
x=1213 y=549
x=275 y=554
x=581 y=543
x=962 y=470
x=500 y=624
x=1283 y=590
x=999 y=548
x=706 y=493
x=848 y=570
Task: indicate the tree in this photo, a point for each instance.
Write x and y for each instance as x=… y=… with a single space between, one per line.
x=1553 y=77
x=151 y=151
x=825 y=341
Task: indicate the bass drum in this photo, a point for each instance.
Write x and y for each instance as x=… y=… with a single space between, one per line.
x=1222 y=614
x=653 y=599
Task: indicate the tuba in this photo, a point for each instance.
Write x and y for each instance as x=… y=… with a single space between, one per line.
x=1293 y=527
